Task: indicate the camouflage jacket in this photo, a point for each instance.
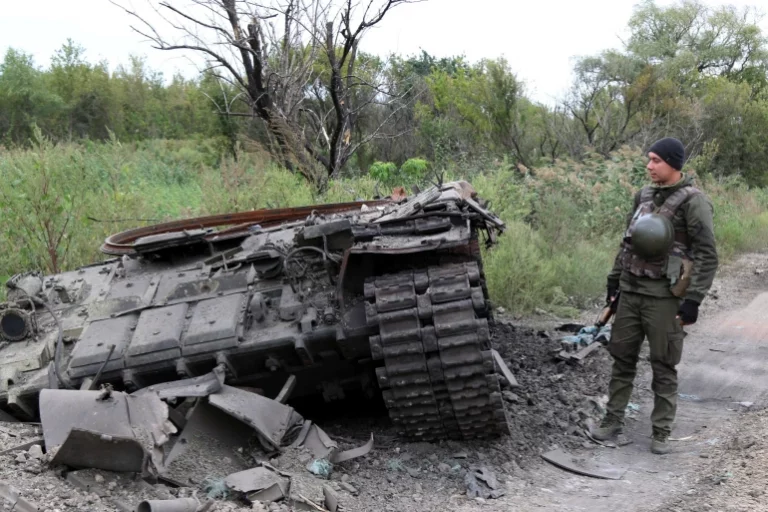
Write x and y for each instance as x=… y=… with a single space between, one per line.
x=694 y=217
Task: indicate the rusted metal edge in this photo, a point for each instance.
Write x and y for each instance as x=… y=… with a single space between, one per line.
x=122 y=243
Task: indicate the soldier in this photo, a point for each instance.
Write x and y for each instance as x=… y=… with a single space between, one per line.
x=664 y=269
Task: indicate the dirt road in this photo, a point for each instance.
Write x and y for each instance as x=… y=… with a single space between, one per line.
x=719 y=460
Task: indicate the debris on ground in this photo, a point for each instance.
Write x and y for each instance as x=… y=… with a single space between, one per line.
x=581 y=465
x=555 y=400
x=12 y=499
x=211 y=445
x=113 y=431
x=212 y=425
x=586 y=340
x=263 y=483
x=177 y=505
x=481 y=482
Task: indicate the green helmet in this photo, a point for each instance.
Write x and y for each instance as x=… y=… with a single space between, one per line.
x=652 y=236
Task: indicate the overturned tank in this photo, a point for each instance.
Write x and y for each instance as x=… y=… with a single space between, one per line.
x=385 y=296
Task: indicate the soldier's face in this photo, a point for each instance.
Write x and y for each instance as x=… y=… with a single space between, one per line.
x=660 y=171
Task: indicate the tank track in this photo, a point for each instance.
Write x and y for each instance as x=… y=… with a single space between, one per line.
x=439 y=379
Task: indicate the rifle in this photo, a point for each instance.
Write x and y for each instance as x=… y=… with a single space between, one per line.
x=608 y=312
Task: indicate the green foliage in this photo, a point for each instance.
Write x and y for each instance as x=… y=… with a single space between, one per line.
x=414 y=169
x=73 y=99
x=383 y=171
x=564 y=223
x=565 y=226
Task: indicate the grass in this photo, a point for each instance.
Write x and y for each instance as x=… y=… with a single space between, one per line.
x=59 y=202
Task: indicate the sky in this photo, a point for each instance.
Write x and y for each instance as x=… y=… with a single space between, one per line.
x=539 y=38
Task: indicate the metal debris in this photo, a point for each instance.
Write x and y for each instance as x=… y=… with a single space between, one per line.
x=331 y=499
x=584 y=342
x=269 y=418
x=285 y=393
x=89 y=449
x=116 y=432
x=177 y=505
x=505 y=371
x=481 y=482
x=204 y=385
x=323 y=447
x=582 y=466
x=16 y=503
x=579 y=355
x=260 y=484
x=23 y=447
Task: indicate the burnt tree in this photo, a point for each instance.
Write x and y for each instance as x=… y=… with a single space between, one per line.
x=276 y=70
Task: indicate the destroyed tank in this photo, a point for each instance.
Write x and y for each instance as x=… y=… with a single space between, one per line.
x=387 y=296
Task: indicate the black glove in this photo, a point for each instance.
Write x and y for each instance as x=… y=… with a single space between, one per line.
x=613 y=291
x=688 y=312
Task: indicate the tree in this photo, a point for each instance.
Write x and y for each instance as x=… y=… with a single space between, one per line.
x=691 y=37
x=270 y=52
x=24 y=99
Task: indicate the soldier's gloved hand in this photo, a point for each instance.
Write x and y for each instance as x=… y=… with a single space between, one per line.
x=612 y=291
x=688 y=312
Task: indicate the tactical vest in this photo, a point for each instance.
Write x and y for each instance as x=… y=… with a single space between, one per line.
x=676 y=264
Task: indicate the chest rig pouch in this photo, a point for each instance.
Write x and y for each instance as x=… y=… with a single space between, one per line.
x=677 y=264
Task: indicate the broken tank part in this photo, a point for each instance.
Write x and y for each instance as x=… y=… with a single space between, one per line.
x=384 y=298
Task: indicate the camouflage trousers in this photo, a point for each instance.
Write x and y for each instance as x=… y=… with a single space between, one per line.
x=638 y=317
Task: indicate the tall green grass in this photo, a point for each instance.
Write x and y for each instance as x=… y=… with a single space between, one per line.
x=59 y=202
x=565 y=225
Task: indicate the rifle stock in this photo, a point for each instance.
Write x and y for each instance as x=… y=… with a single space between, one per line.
x=608 y=312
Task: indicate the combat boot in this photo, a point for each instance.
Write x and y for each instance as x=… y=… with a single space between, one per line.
x=609 y=427
x=660 y=444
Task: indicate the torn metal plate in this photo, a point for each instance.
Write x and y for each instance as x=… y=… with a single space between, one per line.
x=319 y=444
x=331 y=501
x=582 y=466
x=108 y=430
x=353 y=453
x=87 y=449
x=259 y=484
x=195 y=387
x=323 y=447
x=61 y=410
x=269 y=418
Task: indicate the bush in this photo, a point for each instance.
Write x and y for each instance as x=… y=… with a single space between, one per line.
x=564 y=221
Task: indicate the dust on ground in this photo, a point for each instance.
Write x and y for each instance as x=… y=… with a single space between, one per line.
x=734 y=473
x=550 y=407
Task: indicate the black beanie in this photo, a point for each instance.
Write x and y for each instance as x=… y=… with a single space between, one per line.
x=670 y=150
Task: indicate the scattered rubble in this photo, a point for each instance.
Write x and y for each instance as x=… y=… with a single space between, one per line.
x=262 y=463
x=16 y=503
x=481 y=482
x=586 y=340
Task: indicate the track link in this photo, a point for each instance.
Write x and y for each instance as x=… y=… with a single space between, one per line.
x=438 y=379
